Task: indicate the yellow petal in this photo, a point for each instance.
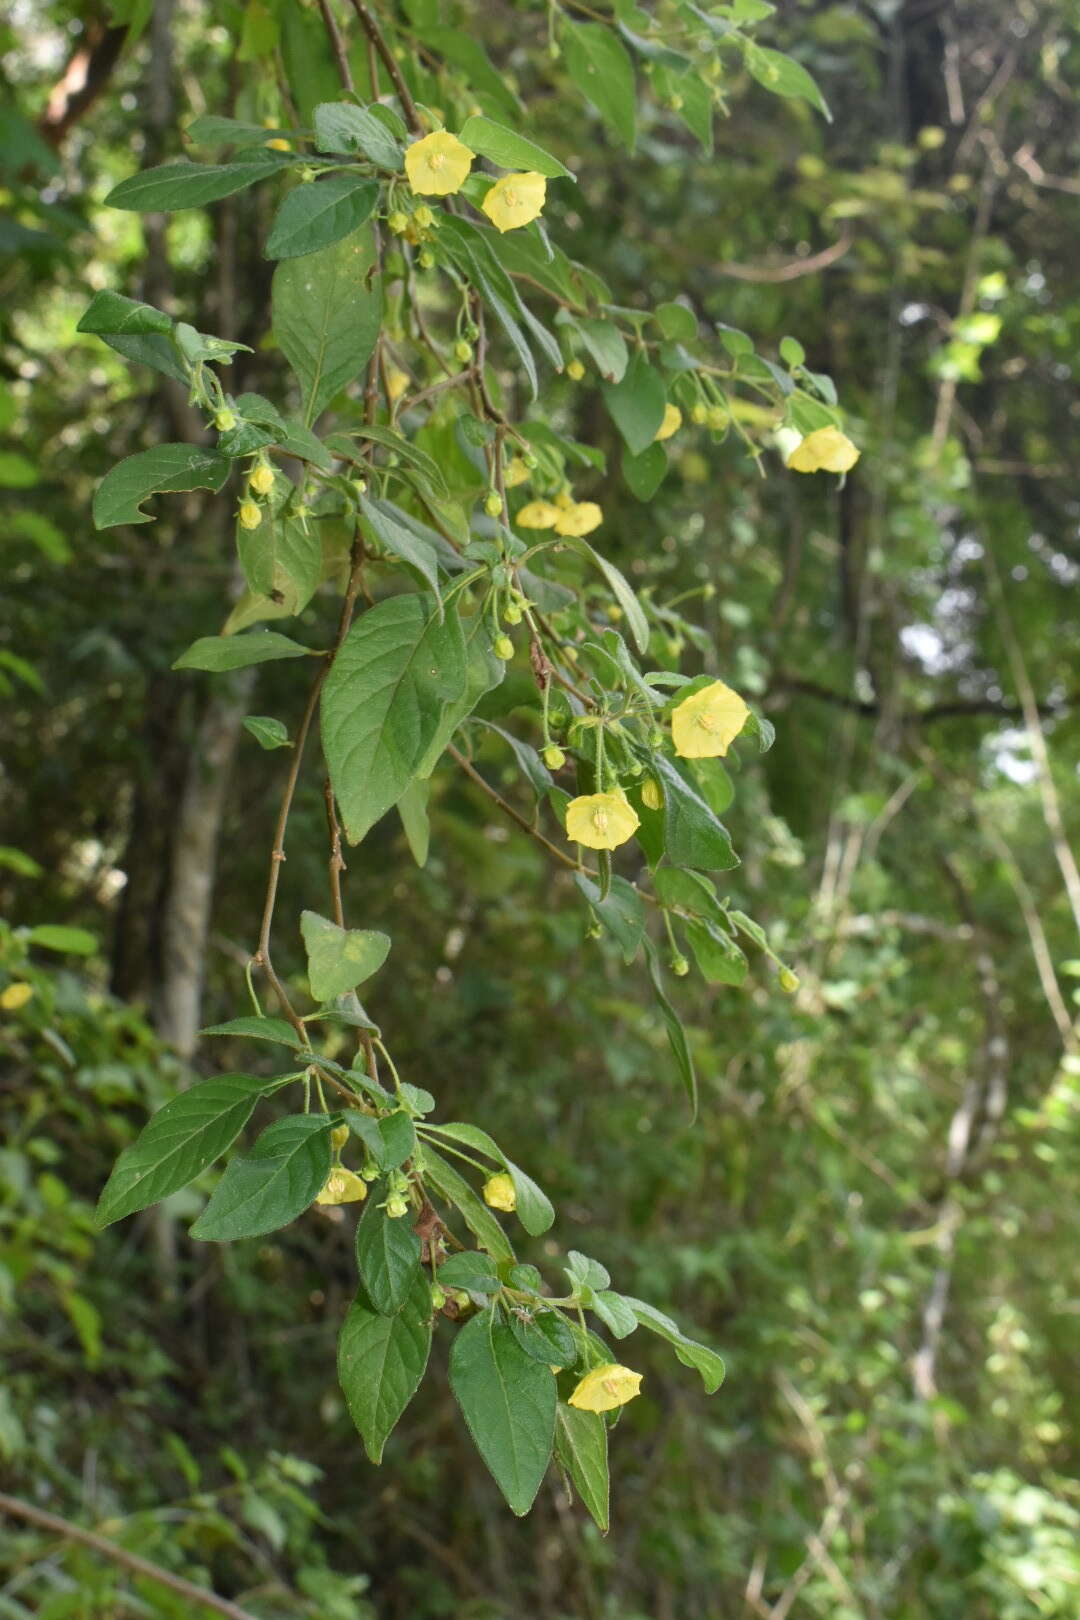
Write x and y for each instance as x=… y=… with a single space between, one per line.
x=437 y=165
x=538 y=515
x=342 y=1187
x=825 y=450
x=707 y=723
x=601 y=820
x=671 y=424
x=515 y=200
x=499 y=1192
x=15 y=996
x=606 y=1387
x=582 y=517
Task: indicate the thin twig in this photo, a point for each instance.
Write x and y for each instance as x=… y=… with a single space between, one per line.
x=374 y=34
x=515 y=815
x=337 y=45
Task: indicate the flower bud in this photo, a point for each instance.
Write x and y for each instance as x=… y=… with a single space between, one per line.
x=679 y=965
x=651 y=796
x=699 y=413
x=425 y=259
x=397 y=1181
x=460 y=1298
x=250 y=515
x=493 y=503
x=339 y=1136
x=279 y=145
x=504 y=648
x=424 y=217
x=261 y=478
x=530 y=461
x=553 y=757
x=463 y=351
x=789 y=981
x=499 y=1191
x=438 y=1297
x=512 y=613
x=396 y=1207
x=397 y=222
x=575 y=370
x=225 y=421
x=360 y=485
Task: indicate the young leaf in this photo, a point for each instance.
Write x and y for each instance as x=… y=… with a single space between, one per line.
x=268 y=732
x=508 y=1400
x=167 y=467
x=581 y=1445
x=256 y=1029
x=600 y=66
x=785 y=77
x=471 y=1271
x=218 y=653
x=508 y=149
x=174 y=186
x=383 y=700
x=341 y=127
x=387 y=1257
x=339 y=959
x=397 y=1140
x=314 y=216
x=690 y=1353
x=327 y=309
x=546 y=1336
x=636 y=404
x=110 y=313
x=273 y=1184
x=381 y=1360
x=178 y=1144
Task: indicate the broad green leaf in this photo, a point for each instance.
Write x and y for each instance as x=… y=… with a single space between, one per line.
x=273 y=1184
x=545 y=1336
x=383 y=702
x=339 y=959
x=387 y=1257
x=716 y=954
x=316 y=215
x=397 y=1136
x=677 y=323
x=401 y=539
x=342 y=127
x=689 y=1351
x=178 y=1144
x=174 y=186
x=110 y=313
x=636 y=404
x=327 y=308
x=534 y=1209
x=60 y=937
x=622 y=911
x=636 y=621
x=218 y=653
x=581 y=1445
x=676 y=1035
x=607 y=346
x=474 y=1212
x=509 y=150
x=614 y=1312
x=645 y=473
x=784 y=77
x=601 y=68
x=693 y=835
x=471 y=1271
x=508 y=1401
x=689 y=891
x=381 y=1360
x=256 y=1029
x=268 y=732
x=281 y=558
x=167 y=467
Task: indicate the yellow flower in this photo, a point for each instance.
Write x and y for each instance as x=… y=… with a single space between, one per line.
x=15 y=996
x=707 y=723
x=396 y=383
x=538 y=515
x=601 y=820
x=581 y=517
x=515 y=200
x=499 y=1192
x=515 y=472
x=438 y=165
x=826 y=450
x=671 y=424
x=605 y=1388
x=342 y=1187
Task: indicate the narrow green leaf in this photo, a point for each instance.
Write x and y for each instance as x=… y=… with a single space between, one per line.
x=509 y=150
x=218 y=653
x=474 y=1212
x=412 y=808
x=256 y=1029
x=173 y=186
x=59 y=937
x=581 y=1445
x=273 y=1184
x=600 y=67
x=785 y=77
x=689 y=1351
x=401 y=539
x=327 y=308
x=508 y=1400
x=315 y=216
x=381 y=1360
x=637 y=623
x=387 y=1257
x=165 y=468
x=342 y=127
x=339 y=959
x=607 y=346
x=110 y=313
x=534 y=1209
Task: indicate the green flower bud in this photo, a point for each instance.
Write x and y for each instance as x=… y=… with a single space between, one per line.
x=463 y=351
x=396 y=1207
x=438 y=1297
x=553 y=757
x=423 y=217
x=493 y=503
x=397 y=221
x=225 y=421
x=504 y=648
x=425 y=260
x=789 y=982
x=250 y=515
x=679 y=966
x=339 y=1136
x=512 y=613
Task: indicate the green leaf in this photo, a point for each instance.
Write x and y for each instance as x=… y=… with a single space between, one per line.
x=342 y=127
x=459 y=46
x=622 y=911
x=483 y=671
x=636 y=621
x=167 y=467
x=471 y=1271
x=59 y=937
x=676 y=1035
x=586 y=1273
x=273 y=1184
x=256 y=1029
x=211 y=130
x=508 y=1400
x=693 y=835
x=689 y=891
x=383 y=701
x=327 y=308
x=268 y=732
x=678 y=324
x=316 y=215
x=402 y=539
x=606 y=345
x=178 y=1144
x=509 y=150
x=546 y=1337
x=614 y=1312
x=645 y=473
x=785 y=77
x=689 y=1351
x=387 y=1257
x=581 y=1445
x=636 y=404
x=716 y=954
x=339 y=959
x=110 y=313
x=397 y=1136
x=218 y=653
x=474 y=1212
x=282 y=558
x=381 y=1360
x=412 y=808
x=174 y=186
x=600 y=67
x=534 y=1209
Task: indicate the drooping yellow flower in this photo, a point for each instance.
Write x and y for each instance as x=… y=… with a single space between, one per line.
x=707 y=723
x=825 y=450
x=580 y=517
x=601 y=820
x=342 y=1187
x=499 y=1192
x=515 y=200
x=515 y=472
x=437 y=165
x=16 y=995
x=671 y=424
x=538 y=515
x=396 y=383
x=606 y=1387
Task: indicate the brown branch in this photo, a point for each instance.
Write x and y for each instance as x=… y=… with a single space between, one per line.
x=389 y=61
x=87 y=73
x=120 y=1555
x=790 y=271
x=515 y=815
x=337 y=46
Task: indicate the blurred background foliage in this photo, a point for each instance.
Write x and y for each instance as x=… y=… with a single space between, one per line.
x=871 y=1219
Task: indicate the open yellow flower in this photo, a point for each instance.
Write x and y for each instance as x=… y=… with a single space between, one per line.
x=515 y=200
x=606 y=1387
x=671 y=424
x=499 y=1192
x=825 y=450
x=601 y=820
x=582 y=517
x=538 y=515
x=438 y=165
x=342 y=1187
x=707 y=723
